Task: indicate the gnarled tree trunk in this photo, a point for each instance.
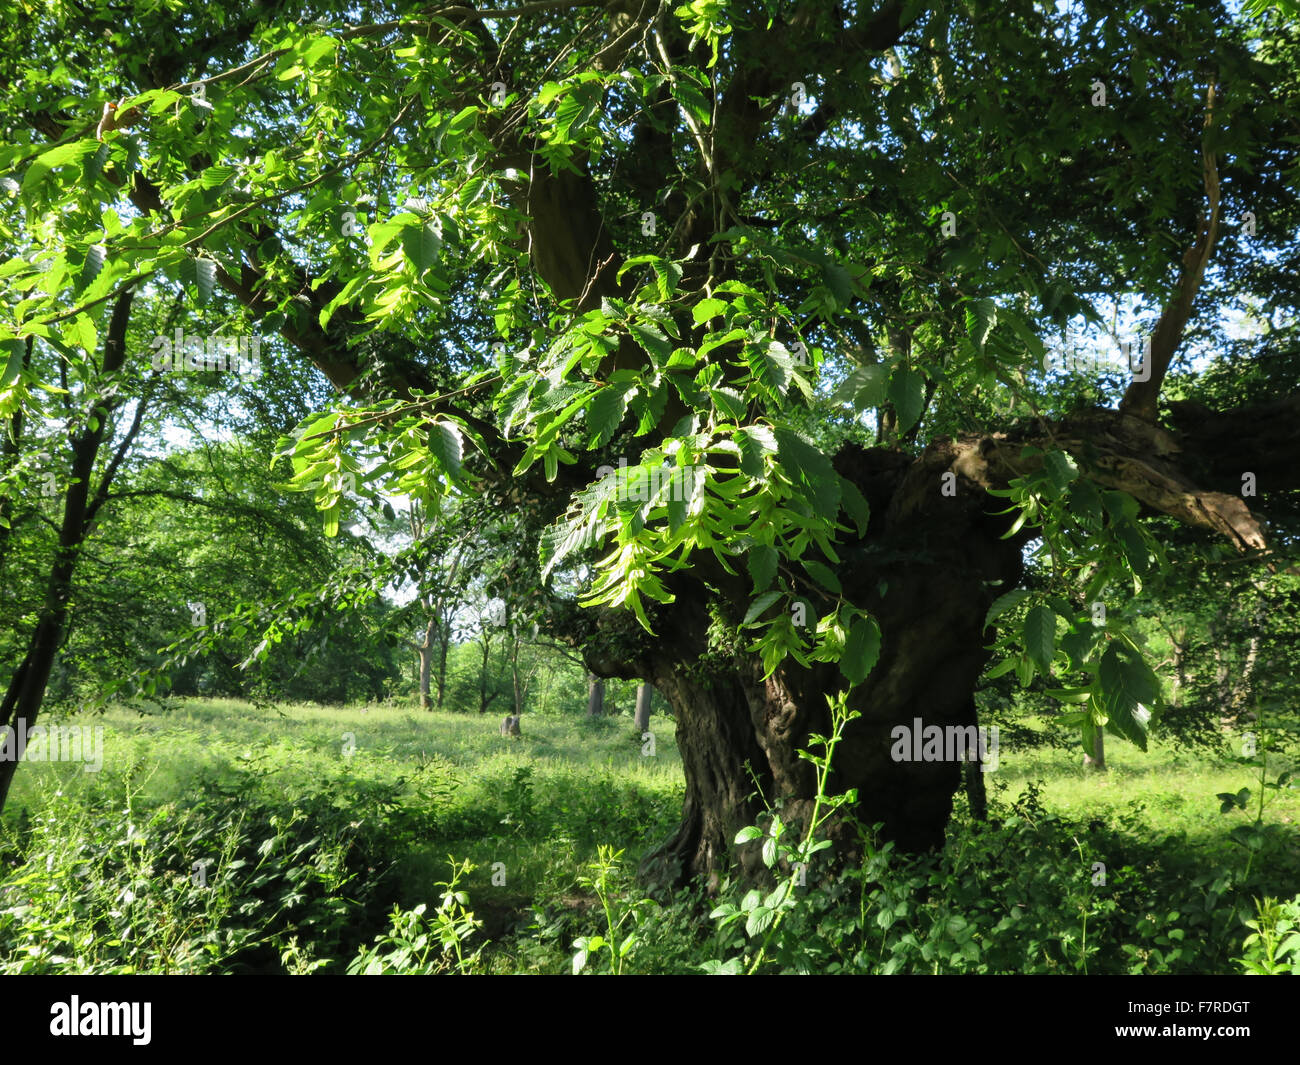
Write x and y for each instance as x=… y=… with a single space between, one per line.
x=928 y=569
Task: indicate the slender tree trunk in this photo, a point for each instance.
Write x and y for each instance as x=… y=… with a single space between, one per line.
x=972 y=772
x=595 y=695
x=519 y=689
x=643 y=691
x=444 y=643
x=1179 y=641
x=1242 y=688
x=10 y=454
x=976 y=797
x=26 y=691
x=425 y=650
x=483 y=698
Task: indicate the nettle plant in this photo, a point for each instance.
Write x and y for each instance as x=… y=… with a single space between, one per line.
x=765 y=913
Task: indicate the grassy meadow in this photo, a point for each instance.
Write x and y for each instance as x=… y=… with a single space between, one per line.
x=225 y=837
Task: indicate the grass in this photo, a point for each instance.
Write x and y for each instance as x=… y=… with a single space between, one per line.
x=318 y=822
x=1174 y=789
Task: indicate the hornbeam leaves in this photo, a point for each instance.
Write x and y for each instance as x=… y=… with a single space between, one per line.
x=446 y=446
x=95 y=255
x=1040 y=637
x=981 y=317
x=1125 y=691
x=907 y=394
x=861 y=650
x=756 y=442
x=771 y=366
x=813 y=468
x=606 y=412
x=865 y=387
x=762 y=562
x=421 y=243
x=730 y=474
x=202 y=274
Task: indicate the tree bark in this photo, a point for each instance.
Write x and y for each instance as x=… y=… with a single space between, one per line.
x=595 y=695
x=26 y=690
x=444 y=643
x=483 y=699
x=976 y=795
x=928 y=569
x=642 y=719
x=425 y=651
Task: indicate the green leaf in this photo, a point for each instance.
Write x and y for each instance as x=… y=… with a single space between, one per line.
x=1003 y=603
x=205 y=276
x=839 y=281
x=755 y=441
x=861 y=650
x=806 y=463
x=823 y=575
x=707 y=309
x=95 y=255
x=1061 y=468
x=981 y=316
x=445 y=444
x=1040 y=637
x=214 y=176
x=692 y=100
x=730 y=403
x=865 y=387
x=13 y=351
x=651 y=337
x=907 y=394
x=66 y=153
x=1127 y=688
x=770 y=364
x=421 y=243
x=760 y=919
x=577 y=108
x=759 y=605
x=855 y=505
x=1069 y=695
x=606 y=413
x=762 y=564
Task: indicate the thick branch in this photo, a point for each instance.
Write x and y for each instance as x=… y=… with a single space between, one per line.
x=1123 y=452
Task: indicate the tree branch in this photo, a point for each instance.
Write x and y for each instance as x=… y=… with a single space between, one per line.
x=1141 y=396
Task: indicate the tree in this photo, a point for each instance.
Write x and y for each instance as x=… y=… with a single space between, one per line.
x=441 y=581
x=746 y=304
x=643 y=691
